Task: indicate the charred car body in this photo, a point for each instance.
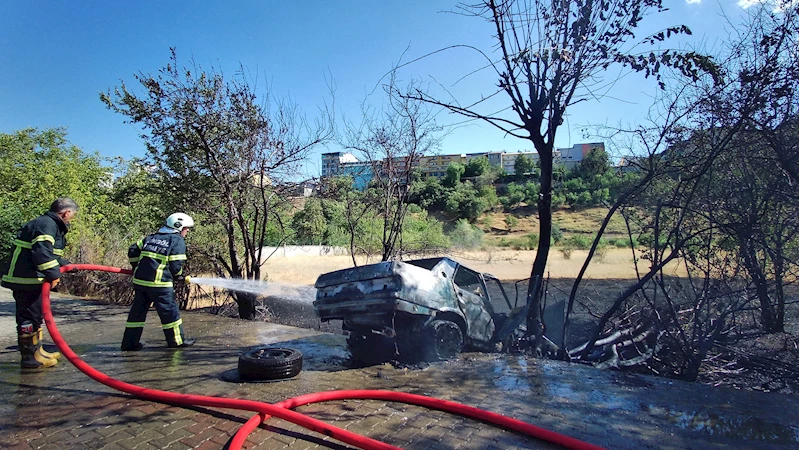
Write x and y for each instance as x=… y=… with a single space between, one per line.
x=421 y=309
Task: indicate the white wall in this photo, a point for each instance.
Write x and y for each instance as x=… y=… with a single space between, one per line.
x=288 y=251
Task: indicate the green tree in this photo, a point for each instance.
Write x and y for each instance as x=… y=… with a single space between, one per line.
x=511 y=222
x=309 y=223
x=454 y=174
x=476 y=167
x=524 y=166
x=596 y=162
x=430 y=194
x=228 y=155
x=36 y=167
x=514 y=195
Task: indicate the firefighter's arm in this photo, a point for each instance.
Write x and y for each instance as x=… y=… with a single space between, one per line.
x=43 y=256
x=177 y=256
x=134 y=253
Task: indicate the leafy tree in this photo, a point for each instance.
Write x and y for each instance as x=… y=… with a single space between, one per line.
x=36 y=167
x=466 y=202
x=515 y=194
x=476 y=167
x=466 y=236
x=309 y=224
x=511 y=222
x=429 y=194
x=455 y=172
x=228 y=155
x=524 y=166
x=596 y=162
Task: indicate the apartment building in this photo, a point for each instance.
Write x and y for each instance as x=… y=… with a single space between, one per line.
x=571 y=157
x=331 y=162
x=435 y=166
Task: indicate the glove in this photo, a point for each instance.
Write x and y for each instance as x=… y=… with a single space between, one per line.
x=54 y=283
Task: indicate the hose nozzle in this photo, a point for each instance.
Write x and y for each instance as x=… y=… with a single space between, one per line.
x=187 y=280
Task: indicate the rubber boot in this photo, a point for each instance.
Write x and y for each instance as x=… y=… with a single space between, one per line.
x=31 y=350
x=175 y=338
x=131 y=341
x=51 y=355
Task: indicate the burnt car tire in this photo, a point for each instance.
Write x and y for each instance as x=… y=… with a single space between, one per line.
x=269 y=363
x=370 y=348
x=442 y=340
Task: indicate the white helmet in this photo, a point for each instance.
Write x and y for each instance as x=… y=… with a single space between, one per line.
x=179 y=221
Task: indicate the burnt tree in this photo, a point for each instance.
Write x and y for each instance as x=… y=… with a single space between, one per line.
x=551 y=56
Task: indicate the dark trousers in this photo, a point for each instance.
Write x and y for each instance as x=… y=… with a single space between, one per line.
x=164 y=301
x=29 y=308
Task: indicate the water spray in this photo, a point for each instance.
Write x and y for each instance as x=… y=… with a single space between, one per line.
x=257 y=287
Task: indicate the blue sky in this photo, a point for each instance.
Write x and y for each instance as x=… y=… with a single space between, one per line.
x=58 y=56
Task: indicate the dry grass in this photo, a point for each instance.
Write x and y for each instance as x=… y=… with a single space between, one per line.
x=582 y=222
x=504 y=264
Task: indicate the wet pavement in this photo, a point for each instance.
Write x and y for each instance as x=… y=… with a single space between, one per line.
x=62 y=408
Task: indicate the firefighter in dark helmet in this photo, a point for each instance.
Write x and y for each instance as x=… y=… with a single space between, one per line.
x=157 y=262
x=37 y=254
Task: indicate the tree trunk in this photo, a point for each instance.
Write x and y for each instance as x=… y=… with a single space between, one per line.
x=535 y=324
x=246 y=304
x=769 y=322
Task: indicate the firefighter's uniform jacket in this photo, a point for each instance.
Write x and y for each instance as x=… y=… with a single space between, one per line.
x=38 y=253
x=157 y=260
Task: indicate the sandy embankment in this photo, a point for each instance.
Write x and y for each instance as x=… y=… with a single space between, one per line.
x=504 y=264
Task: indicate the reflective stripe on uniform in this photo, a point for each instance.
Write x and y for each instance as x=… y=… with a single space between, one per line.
x=156 y=256
x=152 y=283
x=44 y=237
x=134 y=324
x=18 y=280
x=159 y=272
x=29 y=245
x=177 y=257
x=175 y=326
x=48 y=265
x=58 y=251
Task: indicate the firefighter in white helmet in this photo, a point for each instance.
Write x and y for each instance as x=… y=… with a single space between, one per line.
x=157 y=262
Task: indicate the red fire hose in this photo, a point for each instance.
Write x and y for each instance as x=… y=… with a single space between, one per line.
x=283 y=410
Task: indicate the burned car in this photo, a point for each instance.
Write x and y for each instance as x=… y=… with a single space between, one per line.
x=426 y=309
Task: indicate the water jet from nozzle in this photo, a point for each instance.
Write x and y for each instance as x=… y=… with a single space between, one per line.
x=232 y=284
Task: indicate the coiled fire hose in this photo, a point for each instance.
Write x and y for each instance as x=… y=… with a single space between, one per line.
x=283 y=409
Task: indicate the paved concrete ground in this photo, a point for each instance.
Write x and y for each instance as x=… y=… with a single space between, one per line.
x=62 y=408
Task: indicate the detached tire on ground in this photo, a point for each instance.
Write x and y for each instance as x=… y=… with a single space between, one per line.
x=442 y=340
x=268 y=363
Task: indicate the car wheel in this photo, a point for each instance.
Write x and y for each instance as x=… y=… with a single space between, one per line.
x=443 y=340
x=270 y=363
x=370 y=348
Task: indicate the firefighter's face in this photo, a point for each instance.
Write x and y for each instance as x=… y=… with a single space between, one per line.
x=68 y=215
x=184 y=231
